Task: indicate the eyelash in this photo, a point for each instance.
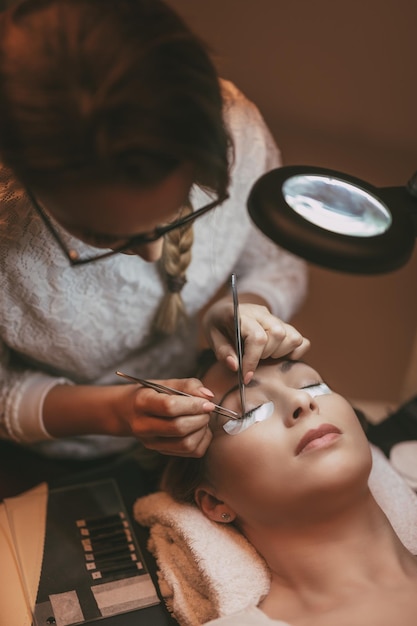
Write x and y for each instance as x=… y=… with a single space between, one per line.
x=234 y=427
x=312 y=385
x=319 y=385
x=249 y=413
x=321 y=388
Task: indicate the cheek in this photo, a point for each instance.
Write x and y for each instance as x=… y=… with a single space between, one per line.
x=347 y=416
x=255 y=459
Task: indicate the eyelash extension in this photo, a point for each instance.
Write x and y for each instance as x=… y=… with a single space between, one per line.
x=258 y=414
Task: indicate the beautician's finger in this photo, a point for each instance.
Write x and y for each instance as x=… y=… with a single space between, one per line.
x=253 y=346
x=149 y=426
x=271 y=339
x=262 y=334
x=284 y=342
x=223 y=347
x=173 y=415
x=299 y=352
x=192 y=445
x=192 y=386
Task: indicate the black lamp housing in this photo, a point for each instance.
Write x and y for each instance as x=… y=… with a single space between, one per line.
x=386 y=247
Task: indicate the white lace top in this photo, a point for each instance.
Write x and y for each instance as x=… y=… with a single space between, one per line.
x=79 y=324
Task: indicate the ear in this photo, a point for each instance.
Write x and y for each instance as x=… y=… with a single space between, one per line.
x=212 y=507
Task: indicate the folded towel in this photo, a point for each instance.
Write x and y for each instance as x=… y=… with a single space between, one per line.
x=208 y=570
x=205 y=569
x=396 y=499
x=403 y=457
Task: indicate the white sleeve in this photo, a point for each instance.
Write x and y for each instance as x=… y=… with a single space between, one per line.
x=264 y=268
x=276 y=276
x=23 y=420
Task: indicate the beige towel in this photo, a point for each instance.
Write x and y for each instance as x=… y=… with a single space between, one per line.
x=205 y=569
x=396 y=499
x=209 y=570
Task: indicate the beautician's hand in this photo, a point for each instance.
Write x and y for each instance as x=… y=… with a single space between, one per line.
x=264 y=335
x=170 y=424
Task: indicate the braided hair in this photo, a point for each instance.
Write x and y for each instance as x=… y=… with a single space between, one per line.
x=176 y=257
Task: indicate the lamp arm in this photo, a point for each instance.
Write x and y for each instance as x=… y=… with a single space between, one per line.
x=412 y=185
x=402 y=199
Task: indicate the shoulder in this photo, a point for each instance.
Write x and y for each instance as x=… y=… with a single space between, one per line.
x=9 y=185
x=238 y=109
x=13 y=199
x=248 y=617
x=11 y=191
x=254 y=145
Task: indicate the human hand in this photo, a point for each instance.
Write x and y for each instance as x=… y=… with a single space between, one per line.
x=264 y=335
x=170 y=424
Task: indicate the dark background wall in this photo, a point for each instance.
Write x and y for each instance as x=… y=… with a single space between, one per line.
x=337 y=85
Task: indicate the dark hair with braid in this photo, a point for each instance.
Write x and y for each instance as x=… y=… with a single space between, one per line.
x=114 y=90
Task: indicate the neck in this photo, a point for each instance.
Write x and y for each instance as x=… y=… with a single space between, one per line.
x=329 y=558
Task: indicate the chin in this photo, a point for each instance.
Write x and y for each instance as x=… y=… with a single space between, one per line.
x=346 y=470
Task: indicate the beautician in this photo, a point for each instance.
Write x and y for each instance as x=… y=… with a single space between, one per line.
x=126 y=165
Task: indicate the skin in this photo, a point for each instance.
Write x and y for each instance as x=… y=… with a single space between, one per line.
x=106 y=215
x=333 y=556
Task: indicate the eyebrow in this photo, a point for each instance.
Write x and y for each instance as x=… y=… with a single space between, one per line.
x=253 y=383
x=288 y=364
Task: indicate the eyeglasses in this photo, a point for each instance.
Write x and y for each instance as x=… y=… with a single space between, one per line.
x=137 y=240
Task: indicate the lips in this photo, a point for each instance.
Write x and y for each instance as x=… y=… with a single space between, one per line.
x=316 y=433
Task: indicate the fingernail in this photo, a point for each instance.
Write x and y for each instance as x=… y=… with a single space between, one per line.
x=208 y=407
x=207 y=392
x=232 y=363
x=248 y=377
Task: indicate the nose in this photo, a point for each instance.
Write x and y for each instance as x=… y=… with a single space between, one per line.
x=149 y=251
x=299 y=404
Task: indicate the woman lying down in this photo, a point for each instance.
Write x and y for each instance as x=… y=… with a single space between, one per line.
x=292 y=477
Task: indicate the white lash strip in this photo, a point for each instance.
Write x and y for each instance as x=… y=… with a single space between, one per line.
x=234 y=427
x=320 y=389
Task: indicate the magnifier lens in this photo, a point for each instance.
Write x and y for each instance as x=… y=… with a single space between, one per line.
x=336 y=205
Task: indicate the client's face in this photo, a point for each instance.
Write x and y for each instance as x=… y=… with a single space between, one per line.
x=308 y=446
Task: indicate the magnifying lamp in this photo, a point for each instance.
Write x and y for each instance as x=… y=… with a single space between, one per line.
x=336 y=220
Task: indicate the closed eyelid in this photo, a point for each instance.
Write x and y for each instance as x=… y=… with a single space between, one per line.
x=253 y=383
x=317 y=389
x=319 y=382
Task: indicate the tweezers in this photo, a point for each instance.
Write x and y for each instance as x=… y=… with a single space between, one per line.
x=238 y=343
x=221 y=410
